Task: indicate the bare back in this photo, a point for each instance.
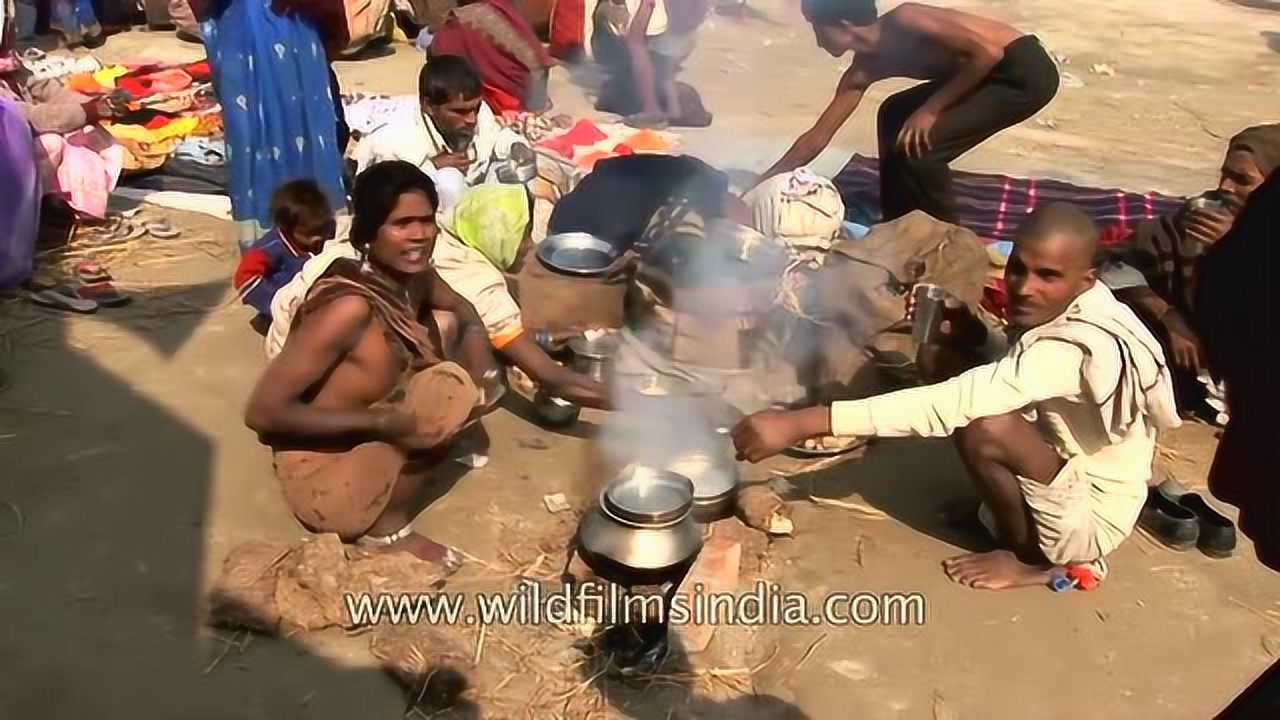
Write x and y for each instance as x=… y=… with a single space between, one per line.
x=906 y=51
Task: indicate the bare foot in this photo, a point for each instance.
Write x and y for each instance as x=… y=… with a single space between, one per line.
x=424 y=548
x=995 y=570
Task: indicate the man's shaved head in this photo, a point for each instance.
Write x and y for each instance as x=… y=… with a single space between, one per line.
x=1054 y=260
x=1064 y=223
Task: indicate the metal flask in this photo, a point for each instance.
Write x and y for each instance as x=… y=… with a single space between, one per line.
x=642 y=530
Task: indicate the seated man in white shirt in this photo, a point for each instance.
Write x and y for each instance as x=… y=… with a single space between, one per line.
x=1058 y=435
x=456 y=134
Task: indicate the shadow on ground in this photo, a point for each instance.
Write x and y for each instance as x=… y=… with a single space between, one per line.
x=1273 y=39
x=109 y=600
x=107 y=502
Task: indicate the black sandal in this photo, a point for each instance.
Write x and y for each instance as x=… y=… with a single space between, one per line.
x=1217 y=532
x=1173 y=525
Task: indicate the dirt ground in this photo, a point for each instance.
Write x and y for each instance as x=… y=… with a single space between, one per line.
x=128 y=472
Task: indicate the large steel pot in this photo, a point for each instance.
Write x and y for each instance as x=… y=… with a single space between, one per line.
x=643 y=524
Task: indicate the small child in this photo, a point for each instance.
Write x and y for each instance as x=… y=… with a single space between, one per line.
x=303 y=221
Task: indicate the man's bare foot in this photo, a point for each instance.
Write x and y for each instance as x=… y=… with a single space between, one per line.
x=995 y=570
x=424 y=548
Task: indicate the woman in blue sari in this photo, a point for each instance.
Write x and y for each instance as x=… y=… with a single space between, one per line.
x=271 y=73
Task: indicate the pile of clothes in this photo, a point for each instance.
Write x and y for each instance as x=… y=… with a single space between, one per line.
x=170 y=124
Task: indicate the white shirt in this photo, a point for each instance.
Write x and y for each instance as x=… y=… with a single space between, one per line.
x=1077 y=400
x=418 y=140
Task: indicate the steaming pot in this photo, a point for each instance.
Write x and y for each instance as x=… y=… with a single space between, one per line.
x=642 y=525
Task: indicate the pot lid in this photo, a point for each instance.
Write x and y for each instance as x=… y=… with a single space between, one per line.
x=646 y=496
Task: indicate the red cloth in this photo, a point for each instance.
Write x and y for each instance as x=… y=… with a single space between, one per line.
x=500 y=101
x=254 y=263
x=584 y=132
x=568 y=26
x=199 y=71
x=143 y=85
x=498 y=68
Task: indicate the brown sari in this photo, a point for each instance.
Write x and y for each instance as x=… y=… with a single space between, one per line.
x=345 y=491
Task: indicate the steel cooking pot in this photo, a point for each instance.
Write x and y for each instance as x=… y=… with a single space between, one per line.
x=594 y=356
x=643 y=522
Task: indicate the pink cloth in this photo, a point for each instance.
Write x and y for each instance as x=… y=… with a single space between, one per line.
x=82 y=176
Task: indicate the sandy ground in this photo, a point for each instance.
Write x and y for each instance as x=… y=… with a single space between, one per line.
x=128 y=473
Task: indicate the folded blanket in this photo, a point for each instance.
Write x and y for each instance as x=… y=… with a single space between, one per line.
x=992 y=205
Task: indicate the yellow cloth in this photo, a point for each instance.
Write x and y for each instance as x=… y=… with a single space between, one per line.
x=492 y=219
x=179 y=128
x=107 y=76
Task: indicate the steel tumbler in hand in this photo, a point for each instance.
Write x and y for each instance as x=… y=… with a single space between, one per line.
x=929 y=302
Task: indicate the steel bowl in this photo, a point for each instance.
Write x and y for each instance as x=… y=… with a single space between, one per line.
x=577 y=253
x=643 y=522
x=714 y=474
x=554 y=411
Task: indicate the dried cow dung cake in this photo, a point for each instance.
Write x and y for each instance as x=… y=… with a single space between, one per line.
x=244 y=595
x=309 y=591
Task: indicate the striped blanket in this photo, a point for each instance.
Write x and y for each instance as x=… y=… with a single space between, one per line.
x=991 y=205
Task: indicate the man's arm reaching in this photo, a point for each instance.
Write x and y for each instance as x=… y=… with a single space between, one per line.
x=853 y=84
x=473 y=337
x=1047 y=369
x=562 y=381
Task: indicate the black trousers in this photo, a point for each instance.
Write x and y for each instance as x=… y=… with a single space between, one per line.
x=1019 y=86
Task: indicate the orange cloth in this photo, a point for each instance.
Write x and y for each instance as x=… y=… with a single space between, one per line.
x=649 y=141
x=84 y=84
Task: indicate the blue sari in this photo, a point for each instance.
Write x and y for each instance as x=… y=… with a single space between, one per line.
x=272 y=77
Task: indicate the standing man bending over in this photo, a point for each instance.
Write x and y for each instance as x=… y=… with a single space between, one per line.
x=1058 y=435
x=983 y=76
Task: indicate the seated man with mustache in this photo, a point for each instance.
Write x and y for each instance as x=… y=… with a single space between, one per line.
x=456 y=138
x=1058 y=435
